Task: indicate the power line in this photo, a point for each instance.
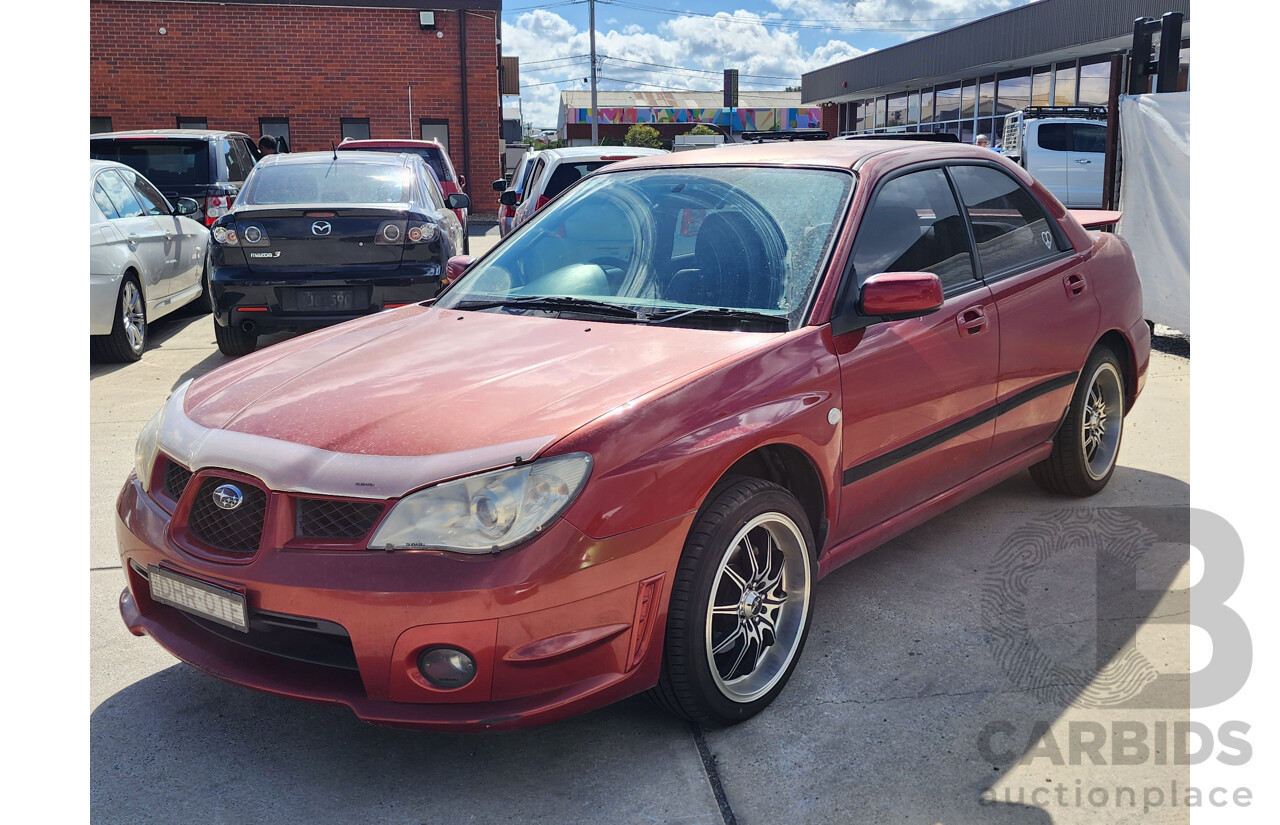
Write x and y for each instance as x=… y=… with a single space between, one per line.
x=837 y=25
x=698 y=71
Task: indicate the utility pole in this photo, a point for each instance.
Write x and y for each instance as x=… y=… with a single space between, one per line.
x=595 y=112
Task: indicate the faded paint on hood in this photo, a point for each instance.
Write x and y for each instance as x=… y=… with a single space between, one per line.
x=423 y=381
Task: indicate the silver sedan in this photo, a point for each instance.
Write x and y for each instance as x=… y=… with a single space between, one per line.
x=146 y=259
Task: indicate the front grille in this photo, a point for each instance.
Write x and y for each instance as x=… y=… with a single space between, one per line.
x=320 y=518
x=175 y=479
x=235 y=531
x=314 y=641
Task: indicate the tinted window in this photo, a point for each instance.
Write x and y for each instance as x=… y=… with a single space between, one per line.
x=126 y=204
x=567 y=174
x=1056 y=137
x=914 y=225
x=166 y=163
x=1009 y=226
x=237 y=159
x=1089 y=137
x=329 y=183
x=104 y=203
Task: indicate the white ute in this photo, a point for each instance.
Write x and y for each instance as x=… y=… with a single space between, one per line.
x=1064 y=147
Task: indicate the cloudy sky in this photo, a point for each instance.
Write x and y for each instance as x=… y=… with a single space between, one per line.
x=686 y=44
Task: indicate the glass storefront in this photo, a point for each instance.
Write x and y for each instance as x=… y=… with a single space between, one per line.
x=978 y=105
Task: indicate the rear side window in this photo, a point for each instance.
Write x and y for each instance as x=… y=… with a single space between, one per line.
x=1010 y=227
x=914 y=225
x=153 y=203
x=104 y=203
x=121 y=196
x=435 y=159
x=166 y=163
x=1056 y=137
x=567 y=174
x=236 y=159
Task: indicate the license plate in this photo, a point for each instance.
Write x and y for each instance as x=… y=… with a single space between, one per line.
x=215 y=603
x=323 y=300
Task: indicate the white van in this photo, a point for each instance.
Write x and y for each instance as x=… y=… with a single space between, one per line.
x=1064 y=147
x=554 y=170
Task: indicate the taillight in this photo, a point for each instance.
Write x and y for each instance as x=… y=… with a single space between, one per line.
x=215 y=206
x=543 y=200
x=508 y=212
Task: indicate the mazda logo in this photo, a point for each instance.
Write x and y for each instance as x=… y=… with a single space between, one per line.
x=321 y=228
x=228 y=496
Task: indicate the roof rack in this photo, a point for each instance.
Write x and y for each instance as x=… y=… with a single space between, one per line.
x=786 y=134
x=1085 y=112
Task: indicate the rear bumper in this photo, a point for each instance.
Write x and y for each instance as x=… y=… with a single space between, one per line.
x=270 y=304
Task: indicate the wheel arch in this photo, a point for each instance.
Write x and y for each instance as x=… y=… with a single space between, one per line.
x=792 y=469
x=1116 y=341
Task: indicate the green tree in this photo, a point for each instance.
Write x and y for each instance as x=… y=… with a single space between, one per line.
x=703 y=129
x=644 y=136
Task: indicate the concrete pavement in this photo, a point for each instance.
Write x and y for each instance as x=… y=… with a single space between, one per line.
x=916 y=699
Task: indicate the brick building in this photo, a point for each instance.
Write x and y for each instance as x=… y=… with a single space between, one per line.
x=313 y=73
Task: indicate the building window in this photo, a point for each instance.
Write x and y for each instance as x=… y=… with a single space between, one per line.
x=277 y=127
x=882 y=104
x=948 y=105
x=1064 y=85
x=913 y=108
x=356 y=128
x=968 y=105
x=1095 y=82
x=192 y=122
x=926 y=106
x=1184 y=66
x=1041 y=86
x=98 y=125
x=897 y=113
x=434 y=129
x=987 y=97
x=1013 y=92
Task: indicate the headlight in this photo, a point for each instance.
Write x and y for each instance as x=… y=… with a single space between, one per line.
x=147 y=448
x=487 y=512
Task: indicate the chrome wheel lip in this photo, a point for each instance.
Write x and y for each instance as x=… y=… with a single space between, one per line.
x=133 y=316
x=758 y=611
x=1102 y=422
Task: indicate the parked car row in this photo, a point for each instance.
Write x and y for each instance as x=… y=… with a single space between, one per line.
x=674 y=398
x=260 y=261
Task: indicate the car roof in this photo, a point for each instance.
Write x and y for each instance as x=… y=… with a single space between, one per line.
x=402 y=143
x=577 y=152
x=836 y=154
x=318 y=158
x=197 y=134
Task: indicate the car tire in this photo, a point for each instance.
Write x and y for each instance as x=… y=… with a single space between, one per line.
x=1088 y=442
x=743 y=591
x=234 y=341
x=128 y=337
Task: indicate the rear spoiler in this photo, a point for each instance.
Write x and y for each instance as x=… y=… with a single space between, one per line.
x=1095 y=218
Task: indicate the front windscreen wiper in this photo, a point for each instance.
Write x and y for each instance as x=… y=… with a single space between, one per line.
x=718 y=314
x=551 y=302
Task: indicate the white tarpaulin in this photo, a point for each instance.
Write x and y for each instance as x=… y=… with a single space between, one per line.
x=1155 y=195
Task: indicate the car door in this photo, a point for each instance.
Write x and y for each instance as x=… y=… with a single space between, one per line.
x=530 y=194
x=1048 y=313
x=1047 y=157
x=141 y=232
x=1085 y=164
x=185 y=240
x=918 y=393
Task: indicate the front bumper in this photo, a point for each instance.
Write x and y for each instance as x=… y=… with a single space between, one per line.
x=270 y=303
x=557 y=626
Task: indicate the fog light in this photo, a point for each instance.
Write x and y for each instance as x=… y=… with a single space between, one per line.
x=446 y=667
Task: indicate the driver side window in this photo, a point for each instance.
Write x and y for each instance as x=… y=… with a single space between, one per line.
x=914 y=225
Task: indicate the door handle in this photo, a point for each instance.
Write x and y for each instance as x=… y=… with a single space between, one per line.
x=133 y=237
x=971 y=321
x=1075 y=284
x=1083 y=160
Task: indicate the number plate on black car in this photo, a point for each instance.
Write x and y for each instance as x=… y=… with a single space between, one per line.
x=325 y=300
x=206 y=600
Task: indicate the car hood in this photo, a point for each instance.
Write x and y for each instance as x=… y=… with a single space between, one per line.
x=425 y=382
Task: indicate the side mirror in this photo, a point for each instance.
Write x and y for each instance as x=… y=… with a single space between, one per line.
x=894 y=296
x=186 y=206
x=509 y=198
x=458 y=200
x=499 y=186
x=456 y=267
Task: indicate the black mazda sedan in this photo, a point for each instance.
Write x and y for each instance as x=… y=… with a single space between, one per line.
x=321 y=237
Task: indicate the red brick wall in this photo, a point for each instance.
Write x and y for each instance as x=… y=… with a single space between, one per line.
x=232 y=64
x=831 y=119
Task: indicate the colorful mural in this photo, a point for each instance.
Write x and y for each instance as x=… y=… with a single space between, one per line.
x=743 y=120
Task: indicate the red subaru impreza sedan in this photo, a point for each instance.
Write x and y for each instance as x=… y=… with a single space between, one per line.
x=618 y=453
